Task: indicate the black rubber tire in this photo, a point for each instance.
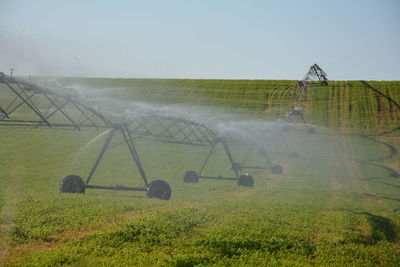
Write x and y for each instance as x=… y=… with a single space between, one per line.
x=191 y=177
x=159 y=189
x=277 y=169
x=72 y=184
x=245 y=180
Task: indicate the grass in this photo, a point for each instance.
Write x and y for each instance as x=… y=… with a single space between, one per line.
x=342 y=104
x=328 y=207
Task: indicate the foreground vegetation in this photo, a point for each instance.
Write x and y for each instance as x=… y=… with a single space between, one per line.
x=329 y=207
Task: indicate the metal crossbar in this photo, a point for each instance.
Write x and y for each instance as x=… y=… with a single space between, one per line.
x=36 y=106
x=26 y=104
x=173 y=130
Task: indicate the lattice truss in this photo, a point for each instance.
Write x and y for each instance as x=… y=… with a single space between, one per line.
x=172 y=130
x=23 y=103
x=313 y=78
x=165 y=129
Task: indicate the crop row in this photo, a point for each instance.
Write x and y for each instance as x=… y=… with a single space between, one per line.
x=341 y=104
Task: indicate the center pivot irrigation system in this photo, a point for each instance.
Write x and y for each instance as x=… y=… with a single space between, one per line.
x=28 y=104
x=314 y=77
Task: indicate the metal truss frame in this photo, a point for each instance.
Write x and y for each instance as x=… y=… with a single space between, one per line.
x=169 y=130
x=313 y=78
x=49 y=107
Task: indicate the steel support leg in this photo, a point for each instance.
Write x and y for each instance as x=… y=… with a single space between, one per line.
x=27 y=103
x=207 y=158
x=103 y=150
x=247 y=155
x=229 y=154
x=266 y=156
x=4 y=112
x=129 y=140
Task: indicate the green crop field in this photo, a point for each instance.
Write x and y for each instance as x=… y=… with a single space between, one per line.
x=337 y=204
x=342 y=104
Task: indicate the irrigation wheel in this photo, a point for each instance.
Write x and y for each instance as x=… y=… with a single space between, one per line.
x=72 y=184
x=245 y=180
x=159 y=189
x=277 y=169
x=191 y=177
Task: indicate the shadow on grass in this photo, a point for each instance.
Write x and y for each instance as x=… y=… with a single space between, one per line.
x=388 y=184
x=391 y=172
x=382 y=228
x=371 y=180
x=381 y=197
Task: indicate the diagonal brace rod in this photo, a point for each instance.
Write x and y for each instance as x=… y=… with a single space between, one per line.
x=102 y=151
x=129 y=140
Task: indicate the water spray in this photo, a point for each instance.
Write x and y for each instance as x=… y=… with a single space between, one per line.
x=73 y=113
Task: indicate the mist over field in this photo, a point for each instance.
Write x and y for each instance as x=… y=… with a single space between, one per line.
x=207 y=133
x=315 y=193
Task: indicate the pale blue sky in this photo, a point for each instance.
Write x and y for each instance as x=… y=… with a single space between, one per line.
x=350 y=39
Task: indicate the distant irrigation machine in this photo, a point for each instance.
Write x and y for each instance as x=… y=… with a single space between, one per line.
x=44 y=107
x=314 y=77
x=293 y=120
